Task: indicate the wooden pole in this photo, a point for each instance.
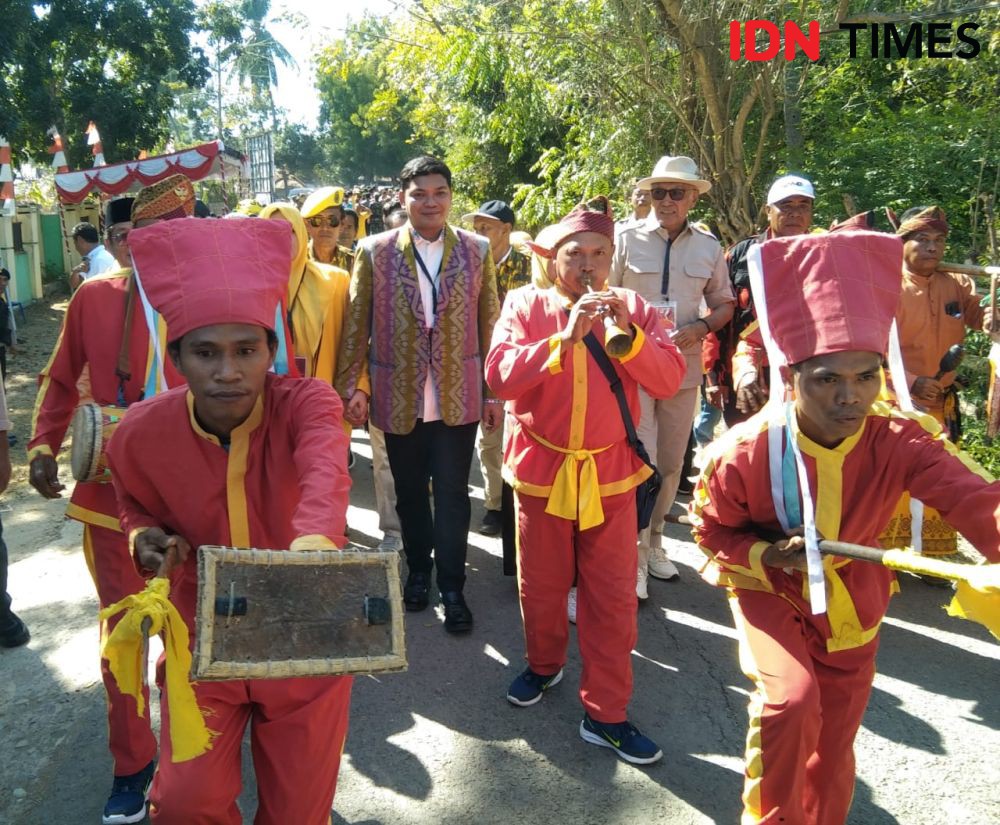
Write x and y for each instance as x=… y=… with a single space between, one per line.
x=968 y=269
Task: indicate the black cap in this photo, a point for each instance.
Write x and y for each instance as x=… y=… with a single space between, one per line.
x=498 y=210
x=118 y=211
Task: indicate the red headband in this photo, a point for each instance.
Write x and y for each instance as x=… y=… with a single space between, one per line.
x=930 y=220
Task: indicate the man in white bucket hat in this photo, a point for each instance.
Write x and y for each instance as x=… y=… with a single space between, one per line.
x=678 y=267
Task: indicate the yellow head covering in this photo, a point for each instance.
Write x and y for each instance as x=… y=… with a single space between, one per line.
x=322 y=198
x=317 y=295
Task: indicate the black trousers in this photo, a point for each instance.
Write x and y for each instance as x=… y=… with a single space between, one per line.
x=442 y=456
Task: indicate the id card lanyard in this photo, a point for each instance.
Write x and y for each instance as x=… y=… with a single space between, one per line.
x=432 y=280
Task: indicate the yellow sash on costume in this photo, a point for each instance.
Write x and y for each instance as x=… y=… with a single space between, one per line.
x=571 y=498
x=125 y=647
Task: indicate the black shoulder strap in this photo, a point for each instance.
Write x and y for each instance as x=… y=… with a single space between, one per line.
x=601 y=357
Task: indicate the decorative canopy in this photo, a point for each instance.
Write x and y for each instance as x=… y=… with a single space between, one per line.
x=196 y=163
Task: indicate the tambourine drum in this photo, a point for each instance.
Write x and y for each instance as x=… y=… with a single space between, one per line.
x=92 y=427
x=275 y=614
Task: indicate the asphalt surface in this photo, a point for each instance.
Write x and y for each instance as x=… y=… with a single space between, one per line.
x=439 y=744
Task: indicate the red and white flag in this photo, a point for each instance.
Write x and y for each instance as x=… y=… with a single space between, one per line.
x=6 y=177
x=94 y=141
x=57 y=151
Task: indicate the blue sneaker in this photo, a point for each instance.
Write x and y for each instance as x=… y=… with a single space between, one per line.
x=623 y=738
x=528 y=688
x=127 y=803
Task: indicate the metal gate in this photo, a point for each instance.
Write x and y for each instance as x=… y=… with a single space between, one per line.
x=261 y=152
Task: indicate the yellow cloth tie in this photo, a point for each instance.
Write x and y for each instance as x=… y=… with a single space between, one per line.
x=977 y=590
x=125 y=650
x=572 y=498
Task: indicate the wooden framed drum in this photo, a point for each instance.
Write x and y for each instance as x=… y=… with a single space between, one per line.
x=92 y=428
x=273 y=614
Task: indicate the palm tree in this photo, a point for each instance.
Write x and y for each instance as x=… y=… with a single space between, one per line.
x=255 y=59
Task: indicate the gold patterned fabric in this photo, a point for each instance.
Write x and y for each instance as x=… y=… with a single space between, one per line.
x=512 y=272
x=938 y=538
x=343 y=258
x=171 y=197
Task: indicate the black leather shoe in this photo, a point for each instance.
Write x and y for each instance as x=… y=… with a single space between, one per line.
x=457 y=616
x=14 y=633
x=492 y=524
x=416 y=591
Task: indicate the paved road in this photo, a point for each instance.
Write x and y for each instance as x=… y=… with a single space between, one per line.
x=440 y=745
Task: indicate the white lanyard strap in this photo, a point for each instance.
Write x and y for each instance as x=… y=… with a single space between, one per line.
x=905 y=401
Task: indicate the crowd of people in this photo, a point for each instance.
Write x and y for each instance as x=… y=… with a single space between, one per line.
x=585 y=366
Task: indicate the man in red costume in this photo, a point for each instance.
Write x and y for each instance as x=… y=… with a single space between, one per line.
x=121 y=372
x=813 y=665
x=244 y=458
x=575 y=474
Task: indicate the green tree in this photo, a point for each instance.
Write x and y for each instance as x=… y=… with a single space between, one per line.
x=298 y=154
x=67 y=62
x=256 y=54
x=365 y=119
x=899 y=133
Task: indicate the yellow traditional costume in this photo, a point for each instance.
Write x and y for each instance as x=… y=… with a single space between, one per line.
x=317 y=298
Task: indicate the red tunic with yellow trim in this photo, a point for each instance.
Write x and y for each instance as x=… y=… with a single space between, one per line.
x=855 y=486
x=560 y=403
x=283 y=477
x=92 y=336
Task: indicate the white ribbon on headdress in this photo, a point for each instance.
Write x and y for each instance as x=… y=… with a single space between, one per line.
x=905 y=401
x=156 y=379
x=778 y=421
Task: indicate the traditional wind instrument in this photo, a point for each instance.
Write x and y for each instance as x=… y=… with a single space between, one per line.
x=617 y=341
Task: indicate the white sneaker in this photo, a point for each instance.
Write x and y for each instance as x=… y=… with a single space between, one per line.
x=571 y=605
x=391 y=543
x=640 y=583
x=660 y=567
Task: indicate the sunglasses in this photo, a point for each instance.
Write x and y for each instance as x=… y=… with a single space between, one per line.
x=677 y=194
x=120 y=236
x=322 y=220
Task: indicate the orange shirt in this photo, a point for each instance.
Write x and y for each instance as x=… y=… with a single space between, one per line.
x=933 y=315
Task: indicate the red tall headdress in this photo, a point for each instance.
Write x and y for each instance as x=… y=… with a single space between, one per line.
x=198 y=273
x=831 y=292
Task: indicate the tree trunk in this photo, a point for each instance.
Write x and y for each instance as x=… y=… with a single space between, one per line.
x=794 y=141
x=218 y=91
